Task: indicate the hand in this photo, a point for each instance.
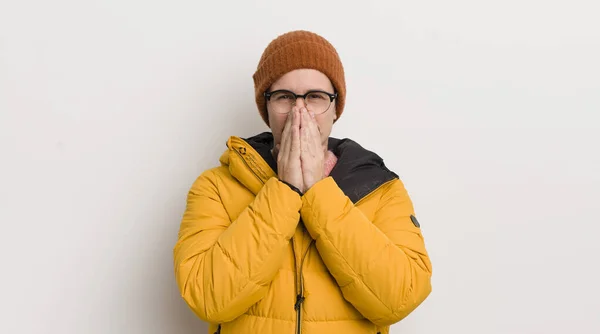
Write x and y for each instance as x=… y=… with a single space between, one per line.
x=288 y=153
x=312 y=152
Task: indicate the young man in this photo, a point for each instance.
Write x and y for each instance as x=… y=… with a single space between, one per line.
x=296 y=231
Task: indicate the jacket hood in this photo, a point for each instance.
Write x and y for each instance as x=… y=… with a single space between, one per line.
x=357 y=172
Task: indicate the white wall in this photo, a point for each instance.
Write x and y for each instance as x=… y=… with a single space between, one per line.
x=489 y=111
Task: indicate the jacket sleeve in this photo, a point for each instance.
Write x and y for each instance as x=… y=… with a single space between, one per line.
x=381 y=266
x=223 y=267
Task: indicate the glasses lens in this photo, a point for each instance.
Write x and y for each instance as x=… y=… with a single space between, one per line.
x=282 y=102
x=317 y=102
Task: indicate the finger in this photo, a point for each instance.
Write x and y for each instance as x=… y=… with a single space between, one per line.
x=315 y=133
x=287 y=126
x=311 y=123
x=302 y=112
x=303 y=144
x=313 y=120
x=298 y=120
x=295 y=146
x=289 y=134
x=285 y=139
x=309 y=130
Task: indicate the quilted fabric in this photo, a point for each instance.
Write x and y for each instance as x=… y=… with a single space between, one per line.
x=254 y=256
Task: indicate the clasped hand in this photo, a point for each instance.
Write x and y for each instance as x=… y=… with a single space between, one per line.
x=300 y=156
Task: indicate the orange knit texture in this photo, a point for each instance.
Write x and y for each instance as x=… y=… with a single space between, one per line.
x=296 y=50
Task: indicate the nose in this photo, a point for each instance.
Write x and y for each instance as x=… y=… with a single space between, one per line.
x=300 y=102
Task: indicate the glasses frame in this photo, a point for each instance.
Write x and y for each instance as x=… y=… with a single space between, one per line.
x=332 y=97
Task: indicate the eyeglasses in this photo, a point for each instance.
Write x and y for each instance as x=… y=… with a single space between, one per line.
x=282 y=101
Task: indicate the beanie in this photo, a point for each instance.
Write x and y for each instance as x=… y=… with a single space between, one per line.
x=298 y=50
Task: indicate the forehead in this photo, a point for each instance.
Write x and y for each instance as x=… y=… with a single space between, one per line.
x=303 y=80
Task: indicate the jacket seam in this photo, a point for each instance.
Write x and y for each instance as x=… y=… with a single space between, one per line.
x=304 y=319
x=231 y=260
x=261 y=218
x=219 y=310
x=266 y=317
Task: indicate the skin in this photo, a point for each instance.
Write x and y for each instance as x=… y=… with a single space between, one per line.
x=300 y=136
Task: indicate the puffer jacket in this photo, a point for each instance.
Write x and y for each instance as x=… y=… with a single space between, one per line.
x=254 y=256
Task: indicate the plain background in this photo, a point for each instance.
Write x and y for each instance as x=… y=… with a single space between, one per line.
x=488 y=110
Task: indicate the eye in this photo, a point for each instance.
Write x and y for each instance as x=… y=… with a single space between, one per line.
x=317 y=96
x=284 y=96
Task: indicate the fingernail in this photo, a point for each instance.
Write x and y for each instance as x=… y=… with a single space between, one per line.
x=303 y=109
x=312 y=114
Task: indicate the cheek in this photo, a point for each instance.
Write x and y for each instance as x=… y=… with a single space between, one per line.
x=277 y=123
x=326 y=120
x=325 y=124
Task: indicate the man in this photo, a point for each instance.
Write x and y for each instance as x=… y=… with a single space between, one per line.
x=295 y=231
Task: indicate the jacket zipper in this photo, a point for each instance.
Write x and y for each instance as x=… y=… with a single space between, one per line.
x=300 y=291
x=248 y=165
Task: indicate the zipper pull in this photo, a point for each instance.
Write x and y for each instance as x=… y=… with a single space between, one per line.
x=299 y=300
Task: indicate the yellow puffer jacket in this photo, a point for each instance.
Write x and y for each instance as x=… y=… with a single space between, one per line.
x=253 y=256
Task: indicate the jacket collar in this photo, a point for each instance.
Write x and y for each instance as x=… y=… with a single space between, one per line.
x=357 y=172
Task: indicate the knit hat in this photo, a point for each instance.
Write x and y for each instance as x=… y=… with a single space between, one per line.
x=298 y=50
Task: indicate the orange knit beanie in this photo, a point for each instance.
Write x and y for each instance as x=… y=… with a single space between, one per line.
x=296 y=50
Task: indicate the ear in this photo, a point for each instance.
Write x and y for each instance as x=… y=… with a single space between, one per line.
x=335 y=115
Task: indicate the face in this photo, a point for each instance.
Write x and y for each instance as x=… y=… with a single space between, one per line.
x=301 y=81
